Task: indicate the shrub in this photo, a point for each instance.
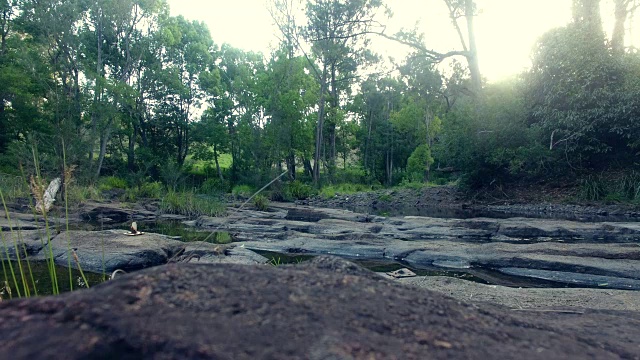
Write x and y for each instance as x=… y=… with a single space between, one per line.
x=261 y=202
x=149 y=190
x=190 y=204
x=592 y=188
x=242 y=191
x=298 y=190
x=629 y=186
x=112 y=182
x=419 y=163
x=13 y=187
x=78 y=194
x=347 y=188
x=214 y=186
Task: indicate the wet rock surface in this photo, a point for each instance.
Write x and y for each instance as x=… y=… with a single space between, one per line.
x=603 y=254
x=109 y=250
x=326 y=309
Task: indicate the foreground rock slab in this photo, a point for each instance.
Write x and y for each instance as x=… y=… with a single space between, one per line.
x=325 y=309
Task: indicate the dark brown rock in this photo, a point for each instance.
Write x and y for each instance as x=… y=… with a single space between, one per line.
x=327 y=309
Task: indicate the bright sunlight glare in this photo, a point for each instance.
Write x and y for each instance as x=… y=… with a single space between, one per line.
x=506 y=30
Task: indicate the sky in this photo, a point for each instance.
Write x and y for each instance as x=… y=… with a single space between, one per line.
x=506 y=30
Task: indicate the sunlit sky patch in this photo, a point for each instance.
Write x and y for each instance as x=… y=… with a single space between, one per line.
x=506 y=30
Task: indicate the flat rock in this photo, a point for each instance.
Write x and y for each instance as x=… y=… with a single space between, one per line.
x=108 y=250
x=322 y=310
x=118 y=250
x=609 y=249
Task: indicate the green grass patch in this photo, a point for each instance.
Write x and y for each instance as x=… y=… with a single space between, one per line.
x=618 y=188
x=200 y=166
x=13 y=187
x=297 y=190
x=147 y=190
x=330 y=191
x=242 y=191
x=112 y=182
x=190 y=204
x=261 y=202
x=78 y=194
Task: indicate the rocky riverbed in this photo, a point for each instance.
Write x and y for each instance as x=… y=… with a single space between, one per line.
x=315 y=303
x=513 y=251
x=450 y=202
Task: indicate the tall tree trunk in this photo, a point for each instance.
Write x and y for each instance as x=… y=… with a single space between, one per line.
x=104 y=139
x=623 y=9
x=367 y=143
x=306 y=163
x=319 y=126
x=474 y=65
x=215 y=158
x=131 y=151
x=95 y=116
x=291 y=164
x=332 y=123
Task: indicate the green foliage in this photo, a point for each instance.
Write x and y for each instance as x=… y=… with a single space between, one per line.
x=419 y=163
x=298 y=190
x=13 y=187
x=213 y=186
x=190 y=204
x=222 y=237
x=147 y=190
x=77 y=194
x=275 y=261
x=112 y=182
x=261 y=202
x=592 y=188
x=622 y=187
x=242 y=191
x=330 y=191
x=585 y=99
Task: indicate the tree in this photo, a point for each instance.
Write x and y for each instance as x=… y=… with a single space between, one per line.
x=574 y=86
x=336 y=30
x=419 y=163
x=289 y=93
x=623 y=10
x=211 y=138
x=458 y=9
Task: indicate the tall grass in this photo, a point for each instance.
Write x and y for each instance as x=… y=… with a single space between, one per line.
x=68 y=176
x=21 y=275
x=190 y=204
x=612 y=188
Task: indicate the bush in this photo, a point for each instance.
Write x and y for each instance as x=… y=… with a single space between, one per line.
x=190 y=204
x=242 y=191
x=298 y=190
x=78 y=194
x=13 y=187
x=328 y=192
x=419 y=163
x=214 y=186
x=261 y=202
x=149 y=190
x=112 y=182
